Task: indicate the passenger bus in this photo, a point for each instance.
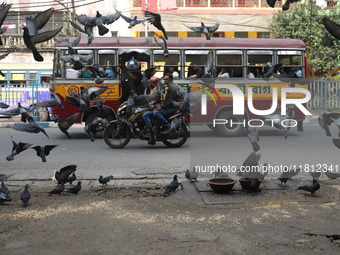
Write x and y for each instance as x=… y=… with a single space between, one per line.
x=237 y=56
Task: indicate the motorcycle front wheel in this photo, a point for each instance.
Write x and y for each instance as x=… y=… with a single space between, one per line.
x=117 y=138
x=178 y=141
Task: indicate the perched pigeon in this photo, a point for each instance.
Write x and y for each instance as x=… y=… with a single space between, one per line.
x=191 y=176
x=66 y=124
x=4 y=177
x=311 y=188
x=99 y=21
x=163 y=45
x=332 y=175
x=155 y=19
x=132 y=22
x=62 y=175
x=288 y=174
x=171 y=188
x=60 y=188
x=254 y=138
x=43 y=151
x=91 y=130
x=31 y=127
x=54 y=101
x=70 y=44
x=105 y=180
x=220 y=174
x=71 y=178
x=284 y=178
x=25 y=196
x=205 y=30
x=250 y=168
x=31 y=36
x=17 y=148
x=4 y=8
x=332 y=27
x=75 y=189
x=4 y=190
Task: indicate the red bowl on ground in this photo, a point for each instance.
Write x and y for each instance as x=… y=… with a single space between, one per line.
x=245 y=183
x=221 y=185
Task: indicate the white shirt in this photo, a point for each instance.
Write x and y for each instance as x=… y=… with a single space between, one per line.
x=224 y=75
x=250 y=75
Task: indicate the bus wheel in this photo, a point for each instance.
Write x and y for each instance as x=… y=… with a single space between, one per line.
x=43 y=114
x=228 y=129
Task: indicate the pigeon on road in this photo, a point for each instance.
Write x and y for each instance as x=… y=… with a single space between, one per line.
x=104 y=180
x=254 y=139
x=31 y=36
x=311 y=188
x=25 y=196
x=191 y=176
x=171 y=188
x=75 y=189
x=60 y=188
x=71 y=178
x=62 y=175
x=43 y=151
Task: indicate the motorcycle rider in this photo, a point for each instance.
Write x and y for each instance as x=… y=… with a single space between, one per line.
x=171 y=104
x=155 y=105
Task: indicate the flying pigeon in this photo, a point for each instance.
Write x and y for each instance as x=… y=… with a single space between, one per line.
x=315 y=174
x=105 y=180
x=91 y=129
x=132 y=22
x=17 y=148
x=155 y=19
x=254 y=138
x=66 y=124
x=99 y=21
x=19 y=110
x=54 y=101
x=75 y=189
x=171 y=188
x=43 y=151
x=163 y=45
x=332 y=27
x=87 y=30
x=31 y=127
x=71 y=178
x=70 y=44
x=31 y=36
x=25 y=196
x=3 y=105
x=60 y=188
x=4 y=8
x=311 y=188
x=4 y=177
x=62 y=175
x=99 y=73
x=77 y=59
x=1 y=73
x=205 y=30
x=272 y=69
x=332 y=175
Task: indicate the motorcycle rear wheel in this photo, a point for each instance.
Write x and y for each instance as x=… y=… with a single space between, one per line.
x=178 y=142
x=116 y=139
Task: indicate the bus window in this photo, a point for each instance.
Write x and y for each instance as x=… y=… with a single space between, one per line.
x=165 y=65
x=71 y=74
x=107 y=58
x=229 y=61
x=258 y=62
x=290 y=59
x=194 y=62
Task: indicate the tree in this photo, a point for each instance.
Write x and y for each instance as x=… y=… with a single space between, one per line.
x=305 y=23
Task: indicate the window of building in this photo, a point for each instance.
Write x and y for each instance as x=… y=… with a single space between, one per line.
x=263 y=34
x=165 y=64
x=229 y=61
x=241 y=34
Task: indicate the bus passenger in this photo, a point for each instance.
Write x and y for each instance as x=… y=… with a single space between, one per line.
x=294 y=71
x=198 y=72
x=86 y=73
x=224 y=73
x=173 y=71
x=111 y=73
x=72 y=74
x=250 y=74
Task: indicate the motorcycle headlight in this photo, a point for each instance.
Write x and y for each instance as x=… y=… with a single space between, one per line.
x=122 y=110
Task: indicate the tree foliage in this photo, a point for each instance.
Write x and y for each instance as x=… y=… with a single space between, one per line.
x=305 y=23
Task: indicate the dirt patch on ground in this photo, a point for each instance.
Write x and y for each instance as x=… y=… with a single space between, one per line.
x=130 y=220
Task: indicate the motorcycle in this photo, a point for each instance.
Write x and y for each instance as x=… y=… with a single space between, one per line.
x=118 y=133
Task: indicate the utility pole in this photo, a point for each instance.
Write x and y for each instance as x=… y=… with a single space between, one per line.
x=146 y=22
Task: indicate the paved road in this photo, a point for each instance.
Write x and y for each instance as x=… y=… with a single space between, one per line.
x=309 y=147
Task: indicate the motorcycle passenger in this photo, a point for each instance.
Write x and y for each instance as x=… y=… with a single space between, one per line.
x=155 y=105
x=171 y=104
